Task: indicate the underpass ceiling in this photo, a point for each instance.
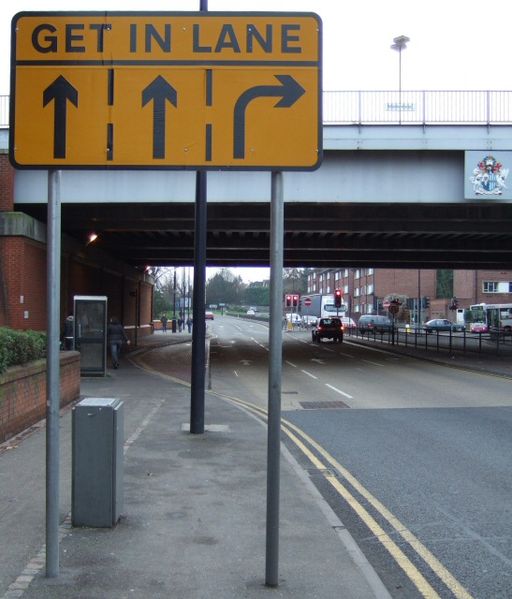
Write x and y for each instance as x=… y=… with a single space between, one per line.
x=316 y=235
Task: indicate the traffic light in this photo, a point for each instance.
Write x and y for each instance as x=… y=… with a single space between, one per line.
x=426 y=302
x=288 y=301
x=338 y=296
x=295 y=301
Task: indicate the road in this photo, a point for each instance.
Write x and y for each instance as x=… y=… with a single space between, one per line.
x=414 y=457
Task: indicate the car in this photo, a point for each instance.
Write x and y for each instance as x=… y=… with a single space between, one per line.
x=250 y=312
x=293 y=317
x=478 y=327
x=309 y=320
x=208 y=316
x=369 y=323
x=442 y=324
x=328 y=328
x=348 y=323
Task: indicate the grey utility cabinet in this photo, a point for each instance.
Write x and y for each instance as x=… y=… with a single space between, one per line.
x=97 y=468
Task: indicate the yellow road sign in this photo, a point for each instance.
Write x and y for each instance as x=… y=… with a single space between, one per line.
x=166 y=90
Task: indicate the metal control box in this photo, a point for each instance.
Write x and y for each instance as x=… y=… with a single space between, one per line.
x=97 y=462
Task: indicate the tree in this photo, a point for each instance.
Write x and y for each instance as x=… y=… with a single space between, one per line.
x=224 y=288
x=295 y=280
x=444 y=287
x=256 y=294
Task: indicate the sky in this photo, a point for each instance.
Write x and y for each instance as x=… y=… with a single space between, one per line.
x=454 y=44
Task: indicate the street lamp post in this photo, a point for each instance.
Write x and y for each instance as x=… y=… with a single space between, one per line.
x=399 y=44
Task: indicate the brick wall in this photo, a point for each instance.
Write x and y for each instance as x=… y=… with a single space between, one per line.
x=23 y=392
x=22 y=284
x=6 y=183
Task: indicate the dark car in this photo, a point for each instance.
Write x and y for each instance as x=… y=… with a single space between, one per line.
x=328 y=328
x=369 y=323
x=442 y=324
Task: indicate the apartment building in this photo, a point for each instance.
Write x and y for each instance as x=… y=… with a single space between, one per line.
x=365 y=288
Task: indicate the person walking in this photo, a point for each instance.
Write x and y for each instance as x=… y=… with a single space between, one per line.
x=116 y=337
x=189 y=324
x=164 y=320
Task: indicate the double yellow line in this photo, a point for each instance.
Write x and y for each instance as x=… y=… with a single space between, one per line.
x=332 y=471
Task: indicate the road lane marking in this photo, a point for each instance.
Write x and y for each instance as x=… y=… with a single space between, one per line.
x=309 y=374
x=404 y=563
x=260 y=344
x=428 y=557
x=236 y=373
x=340 y=353
x=419 y=581
x=372 y=363
x=339 y=391
x=290 y=364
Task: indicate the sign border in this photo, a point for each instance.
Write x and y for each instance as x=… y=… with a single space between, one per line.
x=199 y=15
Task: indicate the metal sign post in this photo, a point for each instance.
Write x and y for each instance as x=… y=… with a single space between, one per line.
x=198 y=310
x=274 y=379
x=53 y=234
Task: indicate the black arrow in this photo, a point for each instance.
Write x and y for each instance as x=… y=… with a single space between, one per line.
x=61 y=91
x=159 y=91
x=289 y=91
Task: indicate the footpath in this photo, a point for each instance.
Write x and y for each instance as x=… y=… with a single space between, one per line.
x=194 y=516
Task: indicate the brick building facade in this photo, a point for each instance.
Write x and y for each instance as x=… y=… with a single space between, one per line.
x=365 y=288
x=85 y=270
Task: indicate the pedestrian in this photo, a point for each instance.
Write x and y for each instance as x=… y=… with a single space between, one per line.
x=189 y=324
x=69 y=333
x=180 y=324
x=164 y=320
x=116 y=337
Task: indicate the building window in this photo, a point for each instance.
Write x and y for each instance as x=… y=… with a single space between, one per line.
x=370 y=271
x=490 y=286
x=358 y=274
x=370 y=289
x=356 y=292
x=345 y=288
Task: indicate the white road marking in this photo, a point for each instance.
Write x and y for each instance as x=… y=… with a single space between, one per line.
x=236 y=373
x=290 y=364
x=317 y=360
x=309 y=374
x=339 y=391
x=373 y=363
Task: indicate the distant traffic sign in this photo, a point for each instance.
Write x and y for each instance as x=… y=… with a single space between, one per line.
x=166 y=90
x=307 y=302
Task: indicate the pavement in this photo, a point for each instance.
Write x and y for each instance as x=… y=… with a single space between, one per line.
x=194 y=516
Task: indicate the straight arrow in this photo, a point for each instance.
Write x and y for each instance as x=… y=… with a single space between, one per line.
x=159 y=91
x=289 y=91
x=62 y=92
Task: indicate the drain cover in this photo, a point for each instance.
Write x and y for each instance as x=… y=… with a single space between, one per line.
x=323 y=405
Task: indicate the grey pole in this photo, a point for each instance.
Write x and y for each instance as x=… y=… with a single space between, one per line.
x=53 y=234
x=274 y=379
x=199 y=328
x=198 y=300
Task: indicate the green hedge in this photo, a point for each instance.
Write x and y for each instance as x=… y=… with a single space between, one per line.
x=19 y=347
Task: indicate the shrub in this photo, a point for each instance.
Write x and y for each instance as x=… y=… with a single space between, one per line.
x=19 y=347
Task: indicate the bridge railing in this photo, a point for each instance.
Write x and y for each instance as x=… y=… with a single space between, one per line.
x=395 y=108
x=417 y=107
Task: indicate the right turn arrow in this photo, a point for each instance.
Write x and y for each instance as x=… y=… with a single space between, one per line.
x=289 y=91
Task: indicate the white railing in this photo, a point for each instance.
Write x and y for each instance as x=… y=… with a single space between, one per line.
x=394 y=108
x=417 y=107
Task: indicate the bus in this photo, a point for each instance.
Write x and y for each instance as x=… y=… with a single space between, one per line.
x=496 y=317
